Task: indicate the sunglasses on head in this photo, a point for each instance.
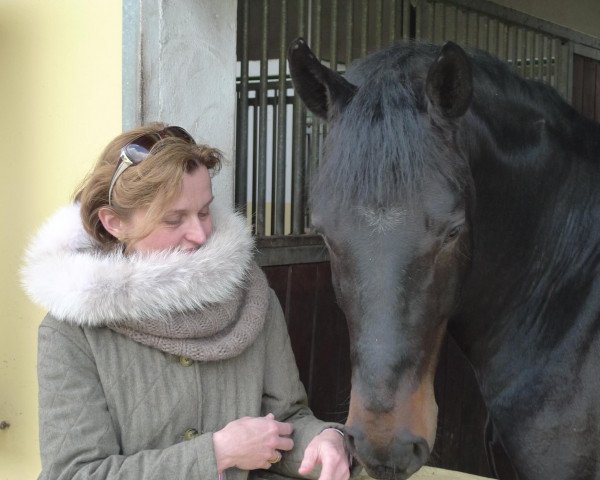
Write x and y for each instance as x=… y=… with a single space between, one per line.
x=139 y=148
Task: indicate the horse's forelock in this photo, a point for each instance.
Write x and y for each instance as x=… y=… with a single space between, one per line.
x=381 y=147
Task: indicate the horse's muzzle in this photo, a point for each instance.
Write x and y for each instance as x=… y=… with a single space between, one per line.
x=398 y=461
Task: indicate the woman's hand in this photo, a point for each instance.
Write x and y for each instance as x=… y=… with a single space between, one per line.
x=327 y=449
x=249 y=442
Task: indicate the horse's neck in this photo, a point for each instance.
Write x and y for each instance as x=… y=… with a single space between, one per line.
x=536 y=242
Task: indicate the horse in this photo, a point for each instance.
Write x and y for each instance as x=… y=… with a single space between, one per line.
x=454 y=196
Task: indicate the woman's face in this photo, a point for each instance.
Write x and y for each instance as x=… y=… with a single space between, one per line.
x=187 y=224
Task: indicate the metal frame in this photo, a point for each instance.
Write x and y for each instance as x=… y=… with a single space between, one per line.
x=536 y=49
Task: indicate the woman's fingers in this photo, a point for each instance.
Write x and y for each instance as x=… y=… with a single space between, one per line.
x=326 y=449
x=309 y=461
x=284 y=428
x=250 y=442
x=284 y=443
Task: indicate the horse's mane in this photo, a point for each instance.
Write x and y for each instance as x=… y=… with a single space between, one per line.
x=373 y=154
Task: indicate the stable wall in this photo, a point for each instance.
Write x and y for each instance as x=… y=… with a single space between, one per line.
x=60 y=92
x=580 y=15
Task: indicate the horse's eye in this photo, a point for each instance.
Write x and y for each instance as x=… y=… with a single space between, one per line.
x=453 y=233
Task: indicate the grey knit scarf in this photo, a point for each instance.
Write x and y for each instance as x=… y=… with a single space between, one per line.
x=216 y=332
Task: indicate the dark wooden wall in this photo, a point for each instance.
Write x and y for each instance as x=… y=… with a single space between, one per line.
x=586 y=86
x=319 y=339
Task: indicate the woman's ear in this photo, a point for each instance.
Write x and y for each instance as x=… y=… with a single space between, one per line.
x=111 y=222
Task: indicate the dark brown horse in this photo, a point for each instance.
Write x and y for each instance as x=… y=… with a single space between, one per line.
x=454 y=195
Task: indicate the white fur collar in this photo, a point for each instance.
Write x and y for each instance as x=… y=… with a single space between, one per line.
x=76 y=282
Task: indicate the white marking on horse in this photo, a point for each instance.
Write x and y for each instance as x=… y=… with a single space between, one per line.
x=383 y=219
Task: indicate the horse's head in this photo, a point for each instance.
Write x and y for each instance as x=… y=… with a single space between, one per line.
x=391 y=200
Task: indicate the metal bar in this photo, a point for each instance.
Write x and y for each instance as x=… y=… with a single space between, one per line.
x=406 y=20
x=522 y=49
x=378 y=30
x=317 y=13
x=364 y=25
x=545 y=59
x=483 y=32
x=289 y=250
x=472 y=28
x=333 y=36
x=261 y=189
x=299 y=138
x=438 y=22
x=278 y=207
x=349 y=32
x=554 y=62
x=312 y=120
x=513 y=16
x=569 y=67
x=254 y=179
x=493 y=36
x=452 y=23
x=512 y=46
x=461 y=27
x=538 y=57
x=502 y=41
x=241 y=170
x=586 y=51
x=392 y=23
x=529 y=55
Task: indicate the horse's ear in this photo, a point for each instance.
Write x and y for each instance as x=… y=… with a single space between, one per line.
x=320 y=88
x=449 y=84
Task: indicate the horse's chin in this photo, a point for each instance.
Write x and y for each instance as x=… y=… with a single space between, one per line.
x=382 y=472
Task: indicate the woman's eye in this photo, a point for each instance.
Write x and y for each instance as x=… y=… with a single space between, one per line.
x=172 y=221
x=203 y=214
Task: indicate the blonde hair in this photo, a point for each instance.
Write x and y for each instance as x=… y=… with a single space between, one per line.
x=153 y=184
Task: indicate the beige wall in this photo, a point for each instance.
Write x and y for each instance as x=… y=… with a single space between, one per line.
x=580 y=15
x=60 y=98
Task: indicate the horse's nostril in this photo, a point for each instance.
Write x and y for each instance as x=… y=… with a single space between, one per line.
x=420 y=454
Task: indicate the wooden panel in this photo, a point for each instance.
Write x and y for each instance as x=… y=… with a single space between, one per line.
x=318 y=334
x=589 y=88
x=586 y=87
x=577 y=100
x=330 y=382
x=597 y=94
x=298 y=309
x=319 y=339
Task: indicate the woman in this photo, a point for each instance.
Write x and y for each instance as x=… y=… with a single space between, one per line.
x=164 y=353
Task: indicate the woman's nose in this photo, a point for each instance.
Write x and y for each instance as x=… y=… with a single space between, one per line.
x=198 y=233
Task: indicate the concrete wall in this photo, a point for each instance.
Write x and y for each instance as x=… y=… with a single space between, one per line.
x=186 y=72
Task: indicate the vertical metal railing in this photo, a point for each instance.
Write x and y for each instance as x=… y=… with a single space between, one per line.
x=241 y=167
x=531 y=53
x=279 y=143
x=298 y=148
x=261 y=173
x=278 y=208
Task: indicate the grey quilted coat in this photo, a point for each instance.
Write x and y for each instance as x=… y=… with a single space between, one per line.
x=111 y=407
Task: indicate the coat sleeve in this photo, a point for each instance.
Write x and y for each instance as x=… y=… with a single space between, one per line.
x=77 y=437
x=285 y=396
